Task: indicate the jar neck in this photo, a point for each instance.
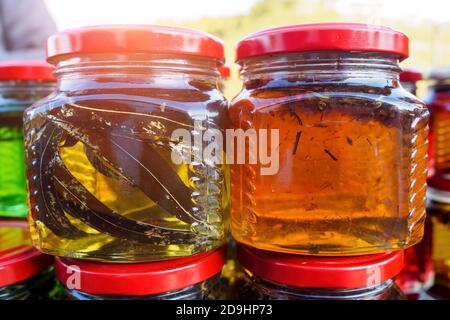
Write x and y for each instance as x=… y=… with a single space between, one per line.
x=73 y=71
x=324 y=66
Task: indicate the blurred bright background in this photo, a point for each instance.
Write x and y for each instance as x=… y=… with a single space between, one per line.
x=427 y=23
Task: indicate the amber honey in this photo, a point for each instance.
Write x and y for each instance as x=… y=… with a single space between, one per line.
x=352 y=147
x=340 y=187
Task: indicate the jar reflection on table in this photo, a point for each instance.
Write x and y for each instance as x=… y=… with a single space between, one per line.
x=352 y=145
x=22 y=83
x=103 y=181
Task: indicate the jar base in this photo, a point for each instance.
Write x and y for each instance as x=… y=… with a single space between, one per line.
x=127 y=254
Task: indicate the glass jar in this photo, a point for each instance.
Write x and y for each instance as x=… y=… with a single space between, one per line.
x=348 y=143
x=21 y=84
x=25 y=273
x=280 y=276
x=440 y=217
x=438 y=101
x=409 y=79
x=189 y=278
x=104 y=174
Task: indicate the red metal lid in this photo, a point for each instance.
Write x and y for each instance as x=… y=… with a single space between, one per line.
x=26 y=70
x=134 y=39
x=321 y=272
x=141 y=278
x=225 y=71
x=324 y=37
x=18 y=259
x=409 y=75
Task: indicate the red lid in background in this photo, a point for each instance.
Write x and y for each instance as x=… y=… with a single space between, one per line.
x=409 y=75
x=225 y=71
x=18 y=259
x=26 y=70
x=321 y=272
x=140 y=279
x=438 y=184
x=134 y=39
x=324 y=37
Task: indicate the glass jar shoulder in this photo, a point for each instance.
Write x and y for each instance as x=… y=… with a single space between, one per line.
x=188 y=101
x=392 y=106
x=268 y=93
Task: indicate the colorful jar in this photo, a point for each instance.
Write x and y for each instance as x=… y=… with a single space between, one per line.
x=22 y=83
x=110 y=178
x=189 y=278
x=438 y=101
x=279 y=276
x=440 y=217
x=348 y=143
x=25 y=273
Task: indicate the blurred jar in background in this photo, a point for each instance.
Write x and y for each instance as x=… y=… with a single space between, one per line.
x=22 y=83
x=278 y=276
x=25 y=273
x=438 y=101
x=440 y=217
x=409 y=78
x=225 y=72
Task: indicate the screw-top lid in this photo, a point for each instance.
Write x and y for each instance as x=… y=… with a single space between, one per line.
x=321 y=272
x=410 y=75
x=134 y=39
x=324 y=37
x=140 y=279
x=18 y=259
x=26 y=70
